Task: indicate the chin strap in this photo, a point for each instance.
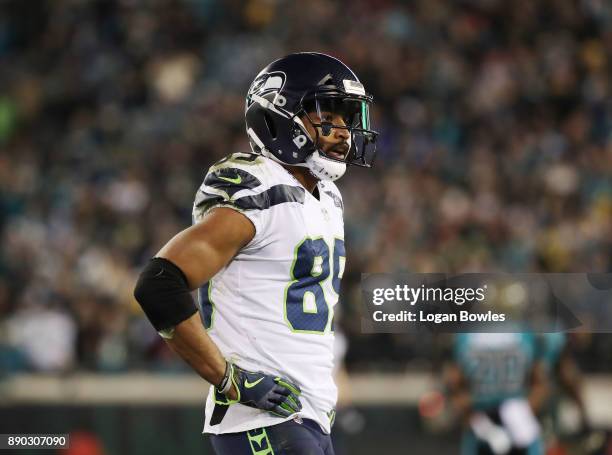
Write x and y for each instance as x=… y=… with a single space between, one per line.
x=321 y=167
x=325 y=168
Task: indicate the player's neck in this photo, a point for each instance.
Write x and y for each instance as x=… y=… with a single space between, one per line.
x=303 y=176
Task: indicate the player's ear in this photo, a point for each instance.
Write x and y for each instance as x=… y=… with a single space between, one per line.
x=307 y=123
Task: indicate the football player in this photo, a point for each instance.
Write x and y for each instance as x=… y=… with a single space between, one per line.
x=266 y=251
x=497 y=384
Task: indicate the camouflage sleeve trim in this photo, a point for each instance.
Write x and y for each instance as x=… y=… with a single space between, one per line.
x=231 y=180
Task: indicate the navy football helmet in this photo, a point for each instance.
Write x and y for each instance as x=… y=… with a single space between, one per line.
x=290 y=88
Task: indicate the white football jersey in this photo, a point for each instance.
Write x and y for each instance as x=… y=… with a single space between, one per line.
x=271 y=308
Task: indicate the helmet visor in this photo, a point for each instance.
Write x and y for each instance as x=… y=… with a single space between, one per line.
x=352 y=113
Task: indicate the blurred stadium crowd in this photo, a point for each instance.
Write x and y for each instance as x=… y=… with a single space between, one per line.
x=495 y=152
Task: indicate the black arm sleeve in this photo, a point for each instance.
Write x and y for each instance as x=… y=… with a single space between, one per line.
x=163 y=293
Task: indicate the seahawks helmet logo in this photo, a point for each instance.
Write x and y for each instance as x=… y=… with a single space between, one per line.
x=266 y=83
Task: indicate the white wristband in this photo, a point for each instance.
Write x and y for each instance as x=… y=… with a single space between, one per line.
x=226 y=383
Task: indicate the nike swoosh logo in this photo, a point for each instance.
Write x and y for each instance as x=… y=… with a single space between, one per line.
x=250 y=385
x=236 y=180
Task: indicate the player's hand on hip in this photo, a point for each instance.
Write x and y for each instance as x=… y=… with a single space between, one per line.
x=274 y=394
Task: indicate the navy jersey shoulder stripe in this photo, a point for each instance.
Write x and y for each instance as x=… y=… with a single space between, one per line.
x=337 y=201
x=277 y=194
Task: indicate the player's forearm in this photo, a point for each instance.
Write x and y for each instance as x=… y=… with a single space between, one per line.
x=537 y=396
x=163 y=292
x=570 y=380
x=539 y=390
x=461 y=402
x=459 y=395
x=191 y=342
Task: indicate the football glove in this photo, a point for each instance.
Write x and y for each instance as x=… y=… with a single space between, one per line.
x=274 y=394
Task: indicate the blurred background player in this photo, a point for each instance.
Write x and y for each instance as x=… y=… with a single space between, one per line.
x=497 y=386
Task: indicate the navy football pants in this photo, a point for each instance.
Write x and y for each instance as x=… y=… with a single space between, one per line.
x=287 y=438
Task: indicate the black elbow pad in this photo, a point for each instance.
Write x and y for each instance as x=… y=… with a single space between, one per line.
x=163 y=293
